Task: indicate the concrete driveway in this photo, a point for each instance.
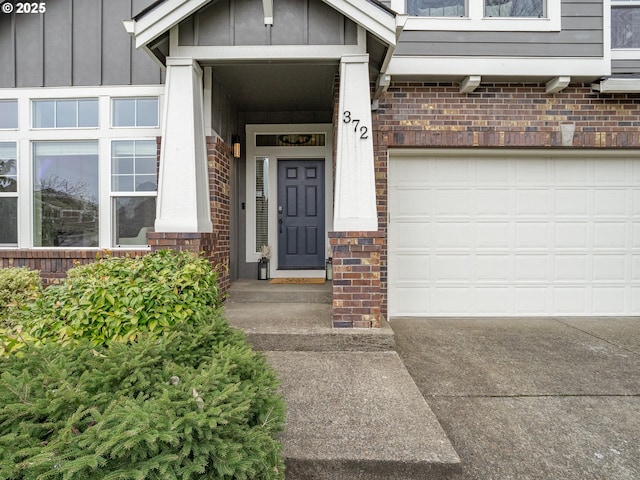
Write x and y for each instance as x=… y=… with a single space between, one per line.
x=552 y=398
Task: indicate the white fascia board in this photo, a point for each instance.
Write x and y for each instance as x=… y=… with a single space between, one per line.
x=380 y=23
x=270 y=52
x=617 y=85
x=534 y=67
x=161 y=19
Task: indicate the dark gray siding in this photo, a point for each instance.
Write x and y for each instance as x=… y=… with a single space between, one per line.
x=75 y=43
x=581 y=35
x=625 y=66
x=241 y=22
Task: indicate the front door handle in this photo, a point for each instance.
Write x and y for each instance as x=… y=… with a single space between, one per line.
x=280 y=223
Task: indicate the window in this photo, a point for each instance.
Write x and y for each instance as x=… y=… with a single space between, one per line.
x=8 y=194
x=625 y=25
x=135 y=112
x=65 y=194
x=8 y=114
x=436 y=8
x=134 y=182
x=262 y=202
x=514 y=8
x=72 y=113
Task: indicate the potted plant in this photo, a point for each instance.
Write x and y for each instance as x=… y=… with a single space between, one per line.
x=263 y=264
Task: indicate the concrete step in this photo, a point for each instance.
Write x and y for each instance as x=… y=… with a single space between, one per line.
x=264 y=292
x=357 y=416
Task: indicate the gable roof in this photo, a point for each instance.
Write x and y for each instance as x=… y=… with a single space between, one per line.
x=162 y=15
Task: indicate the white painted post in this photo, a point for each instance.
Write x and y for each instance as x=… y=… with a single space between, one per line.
x=183 y=186
x=355 y=196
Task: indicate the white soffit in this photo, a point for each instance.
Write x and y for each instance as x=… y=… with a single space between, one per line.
x=379 y=22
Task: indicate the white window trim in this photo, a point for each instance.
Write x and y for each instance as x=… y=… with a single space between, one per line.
x=275 y=153
x=25 y=135
x=476 y=21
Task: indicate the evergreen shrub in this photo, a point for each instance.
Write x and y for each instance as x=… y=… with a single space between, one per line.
x=197 y=403
x=118 y=298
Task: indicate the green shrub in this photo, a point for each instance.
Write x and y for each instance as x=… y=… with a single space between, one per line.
x=18 y=286
x=197 y=403
x=116 y=299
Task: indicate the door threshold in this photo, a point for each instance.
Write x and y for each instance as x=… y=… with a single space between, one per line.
x=298 y=273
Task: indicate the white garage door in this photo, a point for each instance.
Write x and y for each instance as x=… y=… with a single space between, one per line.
x=514 y=233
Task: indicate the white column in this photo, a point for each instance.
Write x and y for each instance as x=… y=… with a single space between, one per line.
x=355 y=196
x=183 y=186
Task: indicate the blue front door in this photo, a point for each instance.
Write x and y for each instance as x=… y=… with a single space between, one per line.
x=301 y=214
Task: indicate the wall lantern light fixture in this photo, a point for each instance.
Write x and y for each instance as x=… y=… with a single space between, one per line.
x=235 y=140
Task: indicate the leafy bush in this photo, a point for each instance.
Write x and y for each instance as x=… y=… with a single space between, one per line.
x=116 y=299
x=196 y=403
x=18 y=286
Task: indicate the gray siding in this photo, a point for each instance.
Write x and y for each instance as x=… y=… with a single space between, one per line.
x=581 y=35
x=625 y=66
x=75 y=43
x=241 y=22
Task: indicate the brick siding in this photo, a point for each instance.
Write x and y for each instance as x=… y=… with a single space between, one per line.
x=356 y=278
x=437 y=115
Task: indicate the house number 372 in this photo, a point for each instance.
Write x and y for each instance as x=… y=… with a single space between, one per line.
x=348 y=118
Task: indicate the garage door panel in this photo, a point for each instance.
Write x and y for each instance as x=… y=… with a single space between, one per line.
x=572 y=202
x=570 y=300
x=610 y=171
x=493 y=234
x=610 y=203
x=453 y=235
x=572 y=235
x=531 y=300
x=448 y=268
x=607 y=300
x=570 y=268
x=572 y=171
x=452 y=202
x=494 y=268
x=607 y=235
x=517 y=234
x=493 y=202
x=532 y=268
x=532 y=235
x=532 y=202
x=609 y=268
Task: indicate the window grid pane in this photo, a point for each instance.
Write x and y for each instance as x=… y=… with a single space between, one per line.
x=514 y=8
x=436 y=8
x=135 y=112
x=134 y=166
x=134 y=217
x=8 y=114
x=8 y=168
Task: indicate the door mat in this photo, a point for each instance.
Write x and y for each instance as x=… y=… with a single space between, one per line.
x=297 y=280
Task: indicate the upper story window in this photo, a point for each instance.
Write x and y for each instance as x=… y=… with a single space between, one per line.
x=481 y=15
x=67 y=113
x=625 y=24
x=135 y=112
x=8 y=114
x=436 y=8
x=514 y=8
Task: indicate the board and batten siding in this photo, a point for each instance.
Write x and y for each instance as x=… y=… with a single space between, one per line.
x=581 y=36
x=75 y=43
x=241 y=22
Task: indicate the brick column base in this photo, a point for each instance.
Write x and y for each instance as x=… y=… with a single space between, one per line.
x=356 y=279
x=198 y=243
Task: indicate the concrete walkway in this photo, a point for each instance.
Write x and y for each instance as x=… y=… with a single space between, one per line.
x=531 y=398
x=455 y=399
x=353 y=411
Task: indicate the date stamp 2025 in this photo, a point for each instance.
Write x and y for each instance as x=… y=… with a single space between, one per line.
x=24 y=7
